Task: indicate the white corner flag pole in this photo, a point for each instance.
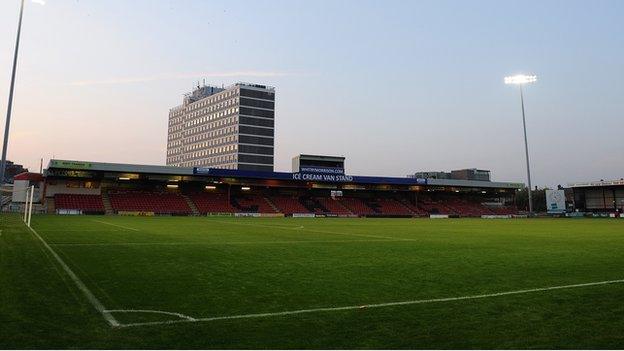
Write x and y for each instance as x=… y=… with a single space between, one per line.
x=32 y=191
x=26 y=205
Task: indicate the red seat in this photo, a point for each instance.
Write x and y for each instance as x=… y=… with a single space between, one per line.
x=144 y=201
x=254 y=203
x=82 y=202
x=288 y=204
x=392 y=207
x=332 y=206
x=356 y=206
x=212 y=203
x=467 y=208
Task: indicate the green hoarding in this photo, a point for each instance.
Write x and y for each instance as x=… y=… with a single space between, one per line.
x=70 y=164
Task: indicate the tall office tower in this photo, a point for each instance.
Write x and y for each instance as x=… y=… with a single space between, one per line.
x=230 y=128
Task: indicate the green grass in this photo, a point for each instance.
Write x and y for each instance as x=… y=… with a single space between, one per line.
x=210 y=267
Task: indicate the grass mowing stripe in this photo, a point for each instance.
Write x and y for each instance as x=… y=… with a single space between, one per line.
x=378 y=305
x=115 y=225
x=81 y=286
x=229 y=243
x=57 y=270
x=301 y=228
x=451 y=258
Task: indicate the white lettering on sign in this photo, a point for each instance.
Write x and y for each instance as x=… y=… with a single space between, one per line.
x=322 y=170
x=323 y=177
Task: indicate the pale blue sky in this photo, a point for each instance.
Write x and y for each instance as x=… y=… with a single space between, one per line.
x=395 y=87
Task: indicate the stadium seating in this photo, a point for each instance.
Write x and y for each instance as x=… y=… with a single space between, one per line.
x=252 y=203
x=288 y=204
x=215 y=202
x=313 y=205
x=333 y=206
x=390 y=207
x=467 y=208
x=85 y=203
x=357 y=206
x=212 y=203
x=415 y=209
x=144 y=201
x=435 y=207
x=504 y=210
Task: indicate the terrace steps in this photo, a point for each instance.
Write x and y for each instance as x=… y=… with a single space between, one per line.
x=342 y=205
x=50 y=205
x=406 y=207
x=108 y=208
x=275 y=208
x=313 y=205
x=191 y=205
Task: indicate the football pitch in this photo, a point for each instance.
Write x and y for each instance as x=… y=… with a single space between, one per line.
x=220 y=282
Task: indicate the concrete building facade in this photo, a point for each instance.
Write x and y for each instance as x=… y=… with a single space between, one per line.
x=229 y=128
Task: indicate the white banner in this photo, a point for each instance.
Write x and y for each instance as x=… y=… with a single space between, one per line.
x=247 y=214
x=438 y=216
x=555 y=201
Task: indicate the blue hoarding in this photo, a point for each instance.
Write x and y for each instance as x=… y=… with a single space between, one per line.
x=308 y=177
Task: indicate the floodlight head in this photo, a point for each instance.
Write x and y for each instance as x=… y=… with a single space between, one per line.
x=520 y=79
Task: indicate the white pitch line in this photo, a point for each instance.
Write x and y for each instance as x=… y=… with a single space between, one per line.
x=99 y=230
x=183 y=316
x=81 y=286
x=228 y=243
x=115 y=225
x=378 y=305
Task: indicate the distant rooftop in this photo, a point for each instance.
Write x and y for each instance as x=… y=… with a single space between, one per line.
x=320 y=157
x=204 y=91
x=261 y=86
x=597 y=183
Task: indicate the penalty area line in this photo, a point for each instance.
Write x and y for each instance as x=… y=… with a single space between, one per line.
x=81 y=286
x=378 y=305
